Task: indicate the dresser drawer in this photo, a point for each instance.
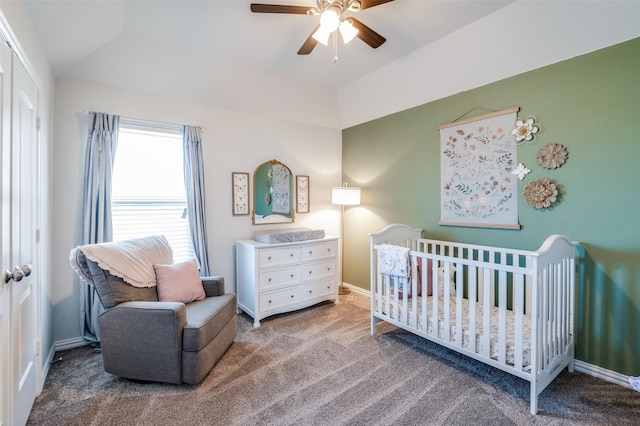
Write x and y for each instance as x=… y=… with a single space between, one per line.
x=322 y=289
x=279 y=298
x=319 y=251
x=315 y=270
x=279 y=277
x=284 y=277
x=279 y=256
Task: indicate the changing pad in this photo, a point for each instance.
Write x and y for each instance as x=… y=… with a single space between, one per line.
x=288 y=235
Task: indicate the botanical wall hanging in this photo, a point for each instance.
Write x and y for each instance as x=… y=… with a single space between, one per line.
x=477 y=156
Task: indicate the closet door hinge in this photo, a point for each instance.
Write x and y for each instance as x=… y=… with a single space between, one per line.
x=38 y=123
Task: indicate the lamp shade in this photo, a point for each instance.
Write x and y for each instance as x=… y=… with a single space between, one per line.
x=345 y=196
x=322 y=35
x=348 y=31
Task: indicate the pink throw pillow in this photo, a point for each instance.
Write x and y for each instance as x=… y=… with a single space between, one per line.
x=179 y=282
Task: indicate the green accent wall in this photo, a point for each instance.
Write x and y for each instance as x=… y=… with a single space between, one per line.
x=591 y=105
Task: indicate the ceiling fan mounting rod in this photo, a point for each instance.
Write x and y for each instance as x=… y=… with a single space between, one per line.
x=351 y=5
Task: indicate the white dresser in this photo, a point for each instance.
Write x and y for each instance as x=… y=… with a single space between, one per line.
x=283 y=277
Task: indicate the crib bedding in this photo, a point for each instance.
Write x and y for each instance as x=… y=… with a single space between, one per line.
x=466 y=335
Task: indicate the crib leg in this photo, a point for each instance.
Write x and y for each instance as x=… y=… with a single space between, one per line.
x=374 y=321
x=534 y=400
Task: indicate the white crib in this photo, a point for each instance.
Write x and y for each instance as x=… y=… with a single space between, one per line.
x=522 y=318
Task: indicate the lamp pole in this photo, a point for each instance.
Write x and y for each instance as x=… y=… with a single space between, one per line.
x=344 y=196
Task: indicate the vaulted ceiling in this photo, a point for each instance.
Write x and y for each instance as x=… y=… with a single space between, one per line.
x=131 y=43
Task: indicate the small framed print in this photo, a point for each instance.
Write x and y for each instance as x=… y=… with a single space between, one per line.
x=302 y=194
x=240 y=192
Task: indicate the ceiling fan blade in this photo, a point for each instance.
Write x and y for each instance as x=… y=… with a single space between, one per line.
x=278 y=8
x=366 y=4
x=309 y=43
x=366 y=34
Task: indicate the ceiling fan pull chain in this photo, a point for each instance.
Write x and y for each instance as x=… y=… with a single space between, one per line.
x=335 y=46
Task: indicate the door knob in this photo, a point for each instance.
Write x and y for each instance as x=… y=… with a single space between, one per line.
x=26 y=268
x=16 y=275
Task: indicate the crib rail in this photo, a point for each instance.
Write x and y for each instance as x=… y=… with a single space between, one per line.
x=512 y=309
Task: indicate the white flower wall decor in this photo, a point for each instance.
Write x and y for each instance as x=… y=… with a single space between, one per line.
x=526 y=130
x=520 y=171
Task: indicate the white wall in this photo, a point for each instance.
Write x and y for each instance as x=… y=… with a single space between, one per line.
x=232 y=142
x=523 y=36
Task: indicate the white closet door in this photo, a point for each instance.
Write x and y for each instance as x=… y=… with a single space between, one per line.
x=24 y=303
x=5 y=233
x=23 y=287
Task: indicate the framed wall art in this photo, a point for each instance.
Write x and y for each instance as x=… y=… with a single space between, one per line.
x=240 y=193
x=477 y=156
x=302 y=194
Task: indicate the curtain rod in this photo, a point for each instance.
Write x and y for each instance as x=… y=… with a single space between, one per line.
x=148 y=123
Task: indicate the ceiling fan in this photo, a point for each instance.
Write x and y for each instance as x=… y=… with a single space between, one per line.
x=331 y=20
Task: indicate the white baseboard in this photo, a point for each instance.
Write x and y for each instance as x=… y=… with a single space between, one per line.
x=602 y=373
x=45 y=368
x=62 y=345
x=581 y=366
x=356 y=289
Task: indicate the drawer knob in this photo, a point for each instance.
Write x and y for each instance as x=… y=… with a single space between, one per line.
x=310 y=251
x=310 y=272
x=269 y=258
x=329 y=286
x=291 y=275
x=269 y=279
x=292 y=296
x=328 y=268
x=310 y=291
x=269 y=301
x=291 y=255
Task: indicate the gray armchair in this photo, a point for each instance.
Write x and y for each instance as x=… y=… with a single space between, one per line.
x=145 y=339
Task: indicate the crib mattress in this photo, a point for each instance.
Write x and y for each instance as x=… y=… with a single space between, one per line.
x=466 y=334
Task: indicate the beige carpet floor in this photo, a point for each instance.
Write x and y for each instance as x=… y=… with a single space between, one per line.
x=321 y=366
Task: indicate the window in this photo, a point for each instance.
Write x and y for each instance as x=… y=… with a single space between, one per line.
x=148 y=192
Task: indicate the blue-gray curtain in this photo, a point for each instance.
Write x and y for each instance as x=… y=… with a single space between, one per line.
x=194 y=185
x=97 y=226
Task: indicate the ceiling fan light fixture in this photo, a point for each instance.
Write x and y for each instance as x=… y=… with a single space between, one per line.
x=322 y=35
x=348 y=31
x=330 y=18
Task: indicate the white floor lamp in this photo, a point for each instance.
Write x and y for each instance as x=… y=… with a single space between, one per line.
x=344 y=196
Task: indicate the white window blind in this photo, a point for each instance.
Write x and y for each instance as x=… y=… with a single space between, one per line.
x=148 y=195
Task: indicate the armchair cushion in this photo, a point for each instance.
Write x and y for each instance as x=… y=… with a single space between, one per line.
x=179 y=282
x=205 y=319
x=113 y=290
